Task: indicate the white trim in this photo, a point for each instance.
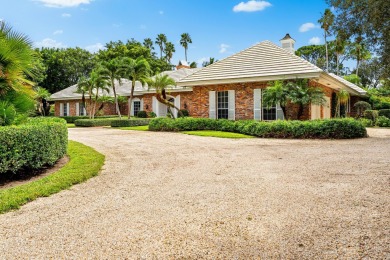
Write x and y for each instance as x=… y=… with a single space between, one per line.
x=67 y=109
x=279 y=112
x=177 y=104
x=232 y=105
x=132 y=105
x=212 y=105
x=155 y=105
x=257 y=104
x=77 y=109
x=61 y=109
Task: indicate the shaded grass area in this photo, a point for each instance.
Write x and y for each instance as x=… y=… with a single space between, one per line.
x=137 y=128
x=217 y=134
x=84 y=163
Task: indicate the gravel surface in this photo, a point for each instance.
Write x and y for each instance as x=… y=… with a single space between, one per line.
x=170 y=195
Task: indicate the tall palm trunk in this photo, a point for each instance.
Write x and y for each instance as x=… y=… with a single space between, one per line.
x=357 y=67
x=116 y=99
x=326 y=53
x=131 y=99
x=185 y=52
x=337 y=63
x=90 y=104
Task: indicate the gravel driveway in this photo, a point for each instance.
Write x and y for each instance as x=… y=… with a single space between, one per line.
x=170 y=195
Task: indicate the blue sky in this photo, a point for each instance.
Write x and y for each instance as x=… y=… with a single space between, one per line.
x=218 y=28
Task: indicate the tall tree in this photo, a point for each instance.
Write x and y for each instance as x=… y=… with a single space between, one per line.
x=359 y=52
x=161 y=41
x=339 y=49
x=209 y=62
x=136 y=70
x=114 y=70
x=277 y=92
x=368 y=18
x=86 y=86
x=160 y=82
x=169 y=50
x=148 y=43
x=326 y=22
x=184 y=41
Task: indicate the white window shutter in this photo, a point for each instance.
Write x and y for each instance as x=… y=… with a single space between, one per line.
x=212 y=112
x=155 y=105
x=61 y=109
x=67 y=109
x=142 y=104
x=232 y=105
x=177 y=104
x=132 y=108
x=279 y=112
x=77 y=109
x=257 y=104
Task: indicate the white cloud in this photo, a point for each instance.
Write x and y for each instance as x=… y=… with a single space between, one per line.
x=307 y=27
x=63 y=3
x=315 y=40
x=95 y=47
x=58 y=32
x=161 y=12
x=201 y=60
x=66 y=15
x=251 y=6
x=223 y=48
x=49 y=43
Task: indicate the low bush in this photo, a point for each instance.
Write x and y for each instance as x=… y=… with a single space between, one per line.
x=384 y=112
x=371 y=114
x=30 y=146
x=152 y=115
x=332 y=128
x=184 y=113
x=361 y=106
x=366 y=122
x=382 y=121
x=131 y=122
x=71 y=119
x=142 y=114
x=94 y=122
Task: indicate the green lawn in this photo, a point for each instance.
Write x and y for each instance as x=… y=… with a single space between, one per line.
x=217 y=134
x=70 y=125
x=84 y=163
x=137 y=128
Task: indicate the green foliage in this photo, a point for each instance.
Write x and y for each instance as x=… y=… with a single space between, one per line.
x=183 y=113
x=142 y=114
x=72 y=119
x=220 y=134
x=382 y=121
x=353 y=78
x=39 y=142
x=94 y=122
x=384 y=112
x=84 y=163
x=361 y=106
x=371 y=114
x=136 y=128
x=152 y=115
x=366 y=122
x=332 y=128
x=129 y=122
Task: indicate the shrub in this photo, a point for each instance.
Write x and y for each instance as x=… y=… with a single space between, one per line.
x=366 y=122
x=142 y=114
x=384 y=112
x=131 y=122
x=72 y=119
x=30 y=146
x=152 y=115
x=371 y=114
x=382 y=121
x=94 y=122
x=332 y=128
x=184 y=113
x=361 y=106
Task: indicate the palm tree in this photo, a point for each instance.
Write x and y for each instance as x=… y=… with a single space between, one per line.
x=16 y=60
x=326 y=22
x=113 y=70
x=340 y=44
x=160 y=41
x=160 y=82
x=184 y=41
x=276 y=93
x=86 y=85
x=136 y=70
x=209 y=62
x=302 y=94
x=169 y=50
x=101 y=83
x=148 y=43
x=41 y=96
x=359 y=52
x=342 y=100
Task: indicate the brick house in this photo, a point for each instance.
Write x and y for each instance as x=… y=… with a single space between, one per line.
x=232 y=88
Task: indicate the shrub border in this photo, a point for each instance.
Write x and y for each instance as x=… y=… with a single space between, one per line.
x=74 y=172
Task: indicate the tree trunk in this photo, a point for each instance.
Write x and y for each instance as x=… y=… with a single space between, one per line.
x=116 y=99
x=131 y=99
x=90 y=104
x=161 y=99
x=337 y=64
x=300 y=111
x=357 y=67
x=284 y=111
x=326 y=53
x=185 y=52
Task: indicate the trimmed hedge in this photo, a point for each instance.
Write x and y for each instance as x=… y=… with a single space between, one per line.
x=131 y=122
x=93 y=122
x=72 y=119
x=384 y=112
x=39 y=142
x=371 y=114
x=142 y=114
x=332 y=128
x=383 y=121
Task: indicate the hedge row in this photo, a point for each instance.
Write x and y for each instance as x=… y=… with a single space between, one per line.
x=332 y=128
x=72 y=119
x=131 y=122
x=93 y=122
x=384 y=112
x=39 y=142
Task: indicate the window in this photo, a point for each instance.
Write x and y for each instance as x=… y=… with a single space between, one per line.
x=223 y=105
x=269 y=113
x=65 y=109
x=136 y=107
x=82 y=110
